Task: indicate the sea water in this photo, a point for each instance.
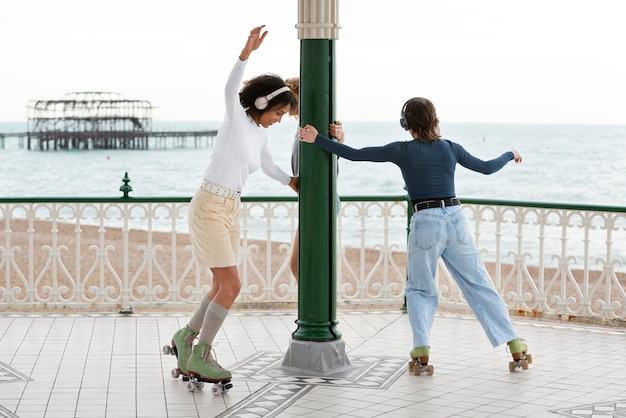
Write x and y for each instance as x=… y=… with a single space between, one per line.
x=580 y=164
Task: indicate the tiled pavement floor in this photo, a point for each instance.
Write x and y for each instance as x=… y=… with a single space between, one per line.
x=110 y=365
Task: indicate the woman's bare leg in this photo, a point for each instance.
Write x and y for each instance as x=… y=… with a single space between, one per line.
x=226 y=286
x=293 y=263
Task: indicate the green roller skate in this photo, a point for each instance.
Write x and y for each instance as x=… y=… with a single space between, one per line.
x=521 y=359
x=182 y=344
x=202 y=367
x=419 y=361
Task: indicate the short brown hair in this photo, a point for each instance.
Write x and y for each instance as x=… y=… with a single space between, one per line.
x=421 y=118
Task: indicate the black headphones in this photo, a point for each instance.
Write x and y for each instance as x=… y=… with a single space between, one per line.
x=403 y=122
x=262 y=102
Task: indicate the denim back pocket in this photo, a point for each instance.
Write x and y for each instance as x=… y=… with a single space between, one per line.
x=463 y=232
x=426 y=232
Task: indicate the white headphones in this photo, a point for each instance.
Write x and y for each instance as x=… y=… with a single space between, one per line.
x=262 y=102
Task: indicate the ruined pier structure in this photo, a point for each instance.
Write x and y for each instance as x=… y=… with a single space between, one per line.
x=99 y=120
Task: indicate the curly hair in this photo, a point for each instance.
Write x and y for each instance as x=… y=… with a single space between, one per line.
x=263 y=85
x=421 y=119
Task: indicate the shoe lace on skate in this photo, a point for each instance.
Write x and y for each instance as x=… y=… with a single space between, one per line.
x=189 y=339
x=210 y=357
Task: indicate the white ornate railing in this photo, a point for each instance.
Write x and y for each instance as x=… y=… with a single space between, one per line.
x=134 y=253
x=563 y=260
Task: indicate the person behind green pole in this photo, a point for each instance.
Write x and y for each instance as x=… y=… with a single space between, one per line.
x=240 y=149
x=438 y=227
x=335 y=130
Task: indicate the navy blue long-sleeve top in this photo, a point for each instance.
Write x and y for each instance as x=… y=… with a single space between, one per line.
x=427 y=166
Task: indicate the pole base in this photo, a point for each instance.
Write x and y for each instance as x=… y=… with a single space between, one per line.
x=312 y=358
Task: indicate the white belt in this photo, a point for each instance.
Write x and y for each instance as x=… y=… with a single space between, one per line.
x=220 y=191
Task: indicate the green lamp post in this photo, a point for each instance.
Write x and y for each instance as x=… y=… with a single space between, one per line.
x=317 y=345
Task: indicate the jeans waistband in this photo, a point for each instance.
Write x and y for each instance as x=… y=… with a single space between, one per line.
x=431 y=204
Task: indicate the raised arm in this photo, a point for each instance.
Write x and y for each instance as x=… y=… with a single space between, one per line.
x=255 y=39
x=231 y=89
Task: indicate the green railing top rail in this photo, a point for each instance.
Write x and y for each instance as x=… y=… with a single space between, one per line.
x=356 y=198
x=545 y=205
x=126 y=189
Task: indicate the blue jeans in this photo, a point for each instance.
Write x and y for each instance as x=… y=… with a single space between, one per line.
x=445 y=233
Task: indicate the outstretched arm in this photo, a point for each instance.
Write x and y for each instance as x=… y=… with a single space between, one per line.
x=334 y=129
x=473 y=163
x=390 y=152
x=255 y=39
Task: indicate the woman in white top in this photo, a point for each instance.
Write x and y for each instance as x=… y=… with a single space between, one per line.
x=240 y=148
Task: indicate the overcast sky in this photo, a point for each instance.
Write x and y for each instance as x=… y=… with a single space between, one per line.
x=532 y=61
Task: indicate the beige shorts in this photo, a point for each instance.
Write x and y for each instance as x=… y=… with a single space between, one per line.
x=214 y=229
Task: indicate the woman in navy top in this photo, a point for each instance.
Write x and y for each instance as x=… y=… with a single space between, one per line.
x=438 y=228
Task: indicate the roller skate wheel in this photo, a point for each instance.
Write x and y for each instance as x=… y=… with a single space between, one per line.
x=199 y=385
x=529 y=358
x=175 y=373
x=521 y=364
x=427 y=370
x=167 y=350
x=411 y=366
x=217 y=390
x=512 y=366
x=191 y=386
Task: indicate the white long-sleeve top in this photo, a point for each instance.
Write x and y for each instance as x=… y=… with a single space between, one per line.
x=240 y=147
